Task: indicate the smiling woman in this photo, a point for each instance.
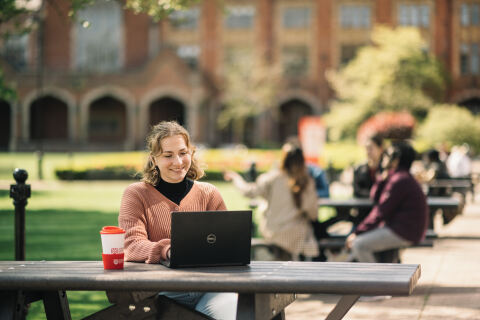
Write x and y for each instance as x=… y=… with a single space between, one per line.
x=174 y=160
x=169 y=184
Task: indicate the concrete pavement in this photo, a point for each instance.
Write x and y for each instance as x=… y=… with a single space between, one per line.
x=449 y=288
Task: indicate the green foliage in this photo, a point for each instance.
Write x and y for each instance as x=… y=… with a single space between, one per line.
x=452 y=125
x=159 y=9
x=342 y=154
x=395 y=73
x=107 y=173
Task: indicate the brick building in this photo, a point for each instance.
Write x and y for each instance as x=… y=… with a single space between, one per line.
x=100 y=81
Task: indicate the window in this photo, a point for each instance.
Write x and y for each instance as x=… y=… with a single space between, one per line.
x=14 y=51
x=476 y=14
x=98 y=44
x=474 y=62
x=189 y=53
x=355 y=16
x=414 y=15
x=348 y=52
x=240 y=17
x=296 y=18
x=464 y=58
x=295 y=60
x=464 y=15
x=185 y=19
x=469 y=59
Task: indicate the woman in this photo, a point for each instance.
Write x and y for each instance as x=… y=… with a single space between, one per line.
x=365 y=175
x=169 y=184
x=291 y=203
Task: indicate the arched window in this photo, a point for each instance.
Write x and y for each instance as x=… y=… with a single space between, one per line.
x=5 y=125
x=48 y=119
x=473 y=104
x=166 y=109
x=107 y=120
x=290 y=114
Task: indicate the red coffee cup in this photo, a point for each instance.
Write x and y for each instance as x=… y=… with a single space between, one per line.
x=112 y=246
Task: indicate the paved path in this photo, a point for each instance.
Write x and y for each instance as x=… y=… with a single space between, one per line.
x=449 y=288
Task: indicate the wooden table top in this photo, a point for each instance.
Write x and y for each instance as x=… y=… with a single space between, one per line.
x=258 y=277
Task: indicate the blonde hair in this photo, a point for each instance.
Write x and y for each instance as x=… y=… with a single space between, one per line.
x=160 y=131
x=293 y=164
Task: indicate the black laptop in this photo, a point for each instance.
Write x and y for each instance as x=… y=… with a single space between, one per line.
x=210 y=238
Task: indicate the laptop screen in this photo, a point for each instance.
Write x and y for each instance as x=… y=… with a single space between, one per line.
x=210 y=238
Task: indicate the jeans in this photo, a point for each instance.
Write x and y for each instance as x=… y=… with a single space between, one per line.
x=218 y=305
x=380 y=239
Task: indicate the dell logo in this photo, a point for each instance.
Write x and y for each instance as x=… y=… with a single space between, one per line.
x=211 y=238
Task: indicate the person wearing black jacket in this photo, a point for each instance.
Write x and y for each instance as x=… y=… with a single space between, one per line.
x=364 y=175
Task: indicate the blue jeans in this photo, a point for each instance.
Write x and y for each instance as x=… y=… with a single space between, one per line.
x=218 y=305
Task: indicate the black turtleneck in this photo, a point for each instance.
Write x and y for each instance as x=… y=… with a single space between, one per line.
x=174 y=191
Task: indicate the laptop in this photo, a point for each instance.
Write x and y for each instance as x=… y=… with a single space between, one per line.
x=210 y=238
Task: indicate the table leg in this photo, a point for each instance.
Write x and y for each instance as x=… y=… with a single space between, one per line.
x=263 y=305
x=432 y=212
x=342 y=307
x=56 y=305
x=12 y=305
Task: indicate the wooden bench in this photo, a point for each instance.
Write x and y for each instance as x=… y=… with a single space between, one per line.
x=264 y=288
x=262 y=250
x=460 y=185
x=348 y=205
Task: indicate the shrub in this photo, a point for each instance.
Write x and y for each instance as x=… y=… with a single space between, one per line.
x=107 y=173
x=451 y=124
x=389 y=125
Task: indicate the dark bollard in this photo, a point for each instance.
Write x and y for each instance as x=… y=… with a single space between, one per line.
x=20 y=192
x=252 y=173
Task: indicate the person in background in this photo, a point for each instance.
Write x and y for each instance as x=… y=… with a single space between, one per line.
x=399 y=216
x=458 y=163
x=365 y=175
x=321 y=181
x=434 y=168
x=169 y=184
x=291 y=203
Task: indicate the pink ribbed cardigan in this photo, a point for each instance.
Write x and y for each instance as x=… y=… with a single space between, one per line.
x=145 y=215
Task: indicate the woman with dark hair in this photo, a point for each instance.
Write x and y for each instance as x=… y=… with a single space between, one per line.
x=434 y=169
x=291 y=203
x=169 y=184
x=365 y=175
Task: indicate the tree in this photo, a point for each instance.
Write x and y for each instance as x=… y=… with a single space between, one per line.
x=451 y=125
x=394 y=73
x=250 y=89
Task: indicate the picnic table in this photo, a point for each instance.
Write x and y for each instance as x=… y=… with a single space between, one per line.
x=434 y=203
x=265 y=288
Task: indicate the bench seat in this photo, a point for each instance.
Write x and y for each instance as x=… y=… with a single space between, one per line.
x=262 y=249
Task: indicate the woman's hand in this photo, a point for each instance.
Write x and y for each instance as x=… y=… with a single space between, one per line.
x=350 y=240
x=231 y=175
